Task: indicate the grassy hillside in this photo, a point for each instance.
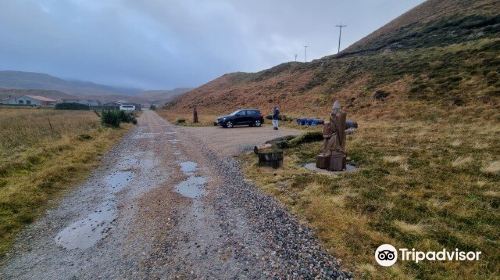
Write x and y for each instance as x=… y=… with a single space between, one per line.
x=435 y=22
x=450 y=59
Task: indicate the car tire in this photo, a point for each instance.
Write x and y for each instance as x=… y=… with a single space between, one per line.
x=258 y=123
x=229 y=124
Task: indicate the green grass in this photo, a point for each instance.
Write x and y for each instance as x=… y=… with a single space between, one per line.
x=42 y=153
x=465 y=71
x=421 y=184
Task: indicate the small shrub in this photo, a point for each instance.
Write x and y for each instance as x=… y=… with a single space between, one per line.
x=111 y=118
x=180 y=121
x=126 y=117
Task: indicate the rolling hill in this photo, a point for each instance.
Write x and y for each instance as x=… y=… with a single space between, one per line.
x=54 y=94
x=443 y=53
x=31 y=80
x=162 y=96
x=21 y=83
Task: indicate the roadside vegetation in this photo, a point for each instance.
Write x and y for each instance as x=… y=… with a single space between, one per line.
x=427 y=180
x=42 y=153
x=113 y=118
x=186 y=119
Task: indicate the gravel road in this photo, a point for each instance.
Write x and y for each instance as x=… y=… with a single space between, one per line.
x=170 y=202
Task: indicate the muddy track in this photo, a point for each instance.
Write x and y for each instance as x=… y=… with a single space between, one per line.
x=170 y=202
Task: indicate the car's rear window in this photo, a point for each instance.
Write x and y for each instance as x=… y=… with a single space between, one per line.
x=253 y=112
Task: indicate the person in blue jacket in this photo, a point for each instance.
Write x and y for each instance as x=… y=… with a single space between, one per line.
x=276 y=117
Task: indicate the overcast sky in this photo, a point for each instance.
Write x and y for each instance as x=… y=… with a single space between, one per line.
x=162 y=44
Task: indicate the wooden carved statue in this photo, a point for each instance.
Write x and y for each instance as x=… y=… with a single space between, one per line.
x=333 y=153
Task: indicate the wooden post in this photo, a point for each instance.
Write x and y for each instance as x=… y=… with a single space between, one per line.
x=50 y=125
x=195 y=115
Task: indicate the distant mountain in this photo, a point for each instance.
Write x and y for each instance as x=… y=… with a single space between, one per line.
x=31 y=80
x=26 y=83
x=54 y=94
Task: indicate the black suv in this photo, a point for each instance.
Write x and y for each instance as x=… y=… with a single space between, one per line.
x=251 y=117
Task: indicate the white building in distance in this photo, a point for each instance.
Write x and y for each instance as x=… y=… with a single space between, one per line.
x=30 y=100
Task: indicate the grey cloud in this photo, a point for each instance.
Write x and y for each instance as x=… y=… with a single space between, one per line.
x=165 y=44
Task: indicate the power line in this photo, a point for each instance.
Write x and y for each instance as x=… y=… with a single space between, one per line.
x=340 y=26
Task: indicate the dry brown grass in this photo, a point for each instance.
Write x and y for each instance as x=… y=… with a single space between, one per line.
x=424 y=184
x=42 y=152
x=21 y=128
x=204 y=118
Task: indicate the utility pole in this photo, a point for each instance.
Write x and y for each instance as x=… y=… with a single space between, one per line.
x=305 y=53
x=340 y=26
x=295 y=57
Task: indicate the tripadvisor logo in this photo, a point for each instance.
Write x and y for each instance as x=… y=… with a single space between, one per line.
x=387 y=255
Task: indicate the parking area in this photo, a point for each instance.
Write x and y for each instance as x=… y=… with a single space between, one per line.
x=231 y=141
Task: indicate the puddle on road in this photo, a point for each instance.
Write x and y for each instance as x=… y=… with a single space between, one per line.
x=86 y=233
x=118 y=180
x=188 y=167
x=192 y=187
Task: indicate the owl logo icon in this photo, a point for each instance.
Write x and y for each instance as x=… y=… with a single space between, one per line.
x=386 y=255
